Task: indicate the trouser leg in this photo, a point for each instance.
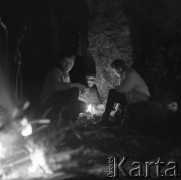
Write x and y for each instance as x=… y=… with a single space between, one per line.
x=114 y=97
x=80 y=106
x=74 y=105
x=77 y=107
x=66 y=99
x=73 y=95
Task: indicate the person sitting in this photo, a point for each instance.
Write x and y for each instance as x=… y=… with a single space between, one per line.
x=131 y=89
x=91 y=95
x=58 y=91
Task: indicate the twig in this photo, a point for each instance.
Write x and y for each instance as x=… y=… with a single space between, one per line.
x=12 y=164
x=76 y=133
x=40 y=121
x=46 y=113
x=40 y=129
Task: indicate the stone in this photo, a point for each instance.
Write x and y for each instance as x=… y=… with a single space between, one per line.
x=109 y=39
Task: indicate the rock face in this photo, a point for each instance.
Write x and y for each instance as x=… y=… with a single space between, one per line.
x=109 y=39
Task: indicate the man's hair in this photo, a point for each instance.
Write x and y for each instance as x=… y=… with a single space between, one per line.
x=91 y=74
x=119 y=63
x=67 y=53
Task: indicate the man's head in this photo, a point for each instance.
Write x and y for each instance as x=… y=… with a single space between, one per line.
x=90 y=78
x=67 y=62
x=120 y=66
x=172 y=106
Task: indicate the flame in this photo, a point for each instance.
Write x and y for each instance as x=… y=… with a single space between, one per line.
x=32 y=166
x=38 y=160
x=90 y=109
x=2 y=152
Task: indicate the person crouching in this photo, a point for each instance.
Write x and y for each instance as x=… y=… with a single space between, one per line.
x=131 y=89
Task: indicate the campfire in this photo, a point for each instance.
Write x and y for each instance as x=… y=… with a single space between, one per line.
x=91 y=109
x=20 y=156
x=25 y=153
x=93 y=113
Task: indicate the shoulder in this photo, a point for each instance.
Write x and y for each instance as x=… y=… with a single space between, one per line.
x=133 y=73
x=55 y=71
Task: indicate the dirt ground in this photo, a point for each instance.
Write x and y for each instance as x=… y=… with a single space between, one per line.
x=95 y=144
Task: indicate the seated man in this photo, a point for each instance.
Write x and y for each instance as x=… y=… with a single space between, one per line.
x=91 y=95
x=58 y=92
x=131 y=88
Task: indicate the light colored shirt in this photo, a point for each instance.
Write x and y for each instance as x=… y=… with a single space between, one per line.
x=56 y=80
x=134 y=87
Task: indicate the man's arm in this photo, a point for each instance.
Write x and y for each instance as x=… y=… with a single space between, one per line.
x=57 y=81
x=59 y=85
x=127 y=84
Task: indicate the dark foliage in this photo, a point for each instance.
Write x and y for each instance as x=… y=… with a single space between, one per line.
x=156 y=33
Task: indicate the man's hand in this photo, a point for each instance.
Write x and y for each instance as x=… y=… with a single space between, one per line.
x=80 y=86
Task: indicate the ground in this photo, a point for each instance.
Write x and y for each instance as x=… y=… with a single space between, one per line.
x=93 y=146
x=83 y=150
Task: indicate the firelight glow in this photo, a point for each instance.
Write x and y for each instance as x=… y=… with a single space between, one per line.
x=27 y=131
x=37 y=157
x=2 y=151
x=90 y=109
x=27 y=128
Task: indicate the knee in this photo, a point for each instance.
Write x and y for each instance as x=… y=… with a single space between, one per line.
x=84 y=107
x=112 y=91
x=81 y=106
x=74 y=91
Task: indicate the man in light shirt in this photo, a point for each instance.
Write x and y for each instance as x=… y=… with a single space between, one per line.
x=131 y=89
x=58 y=91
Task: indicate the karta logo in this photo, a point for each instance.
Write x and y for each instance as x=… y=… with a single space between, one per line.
x=121 y=166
